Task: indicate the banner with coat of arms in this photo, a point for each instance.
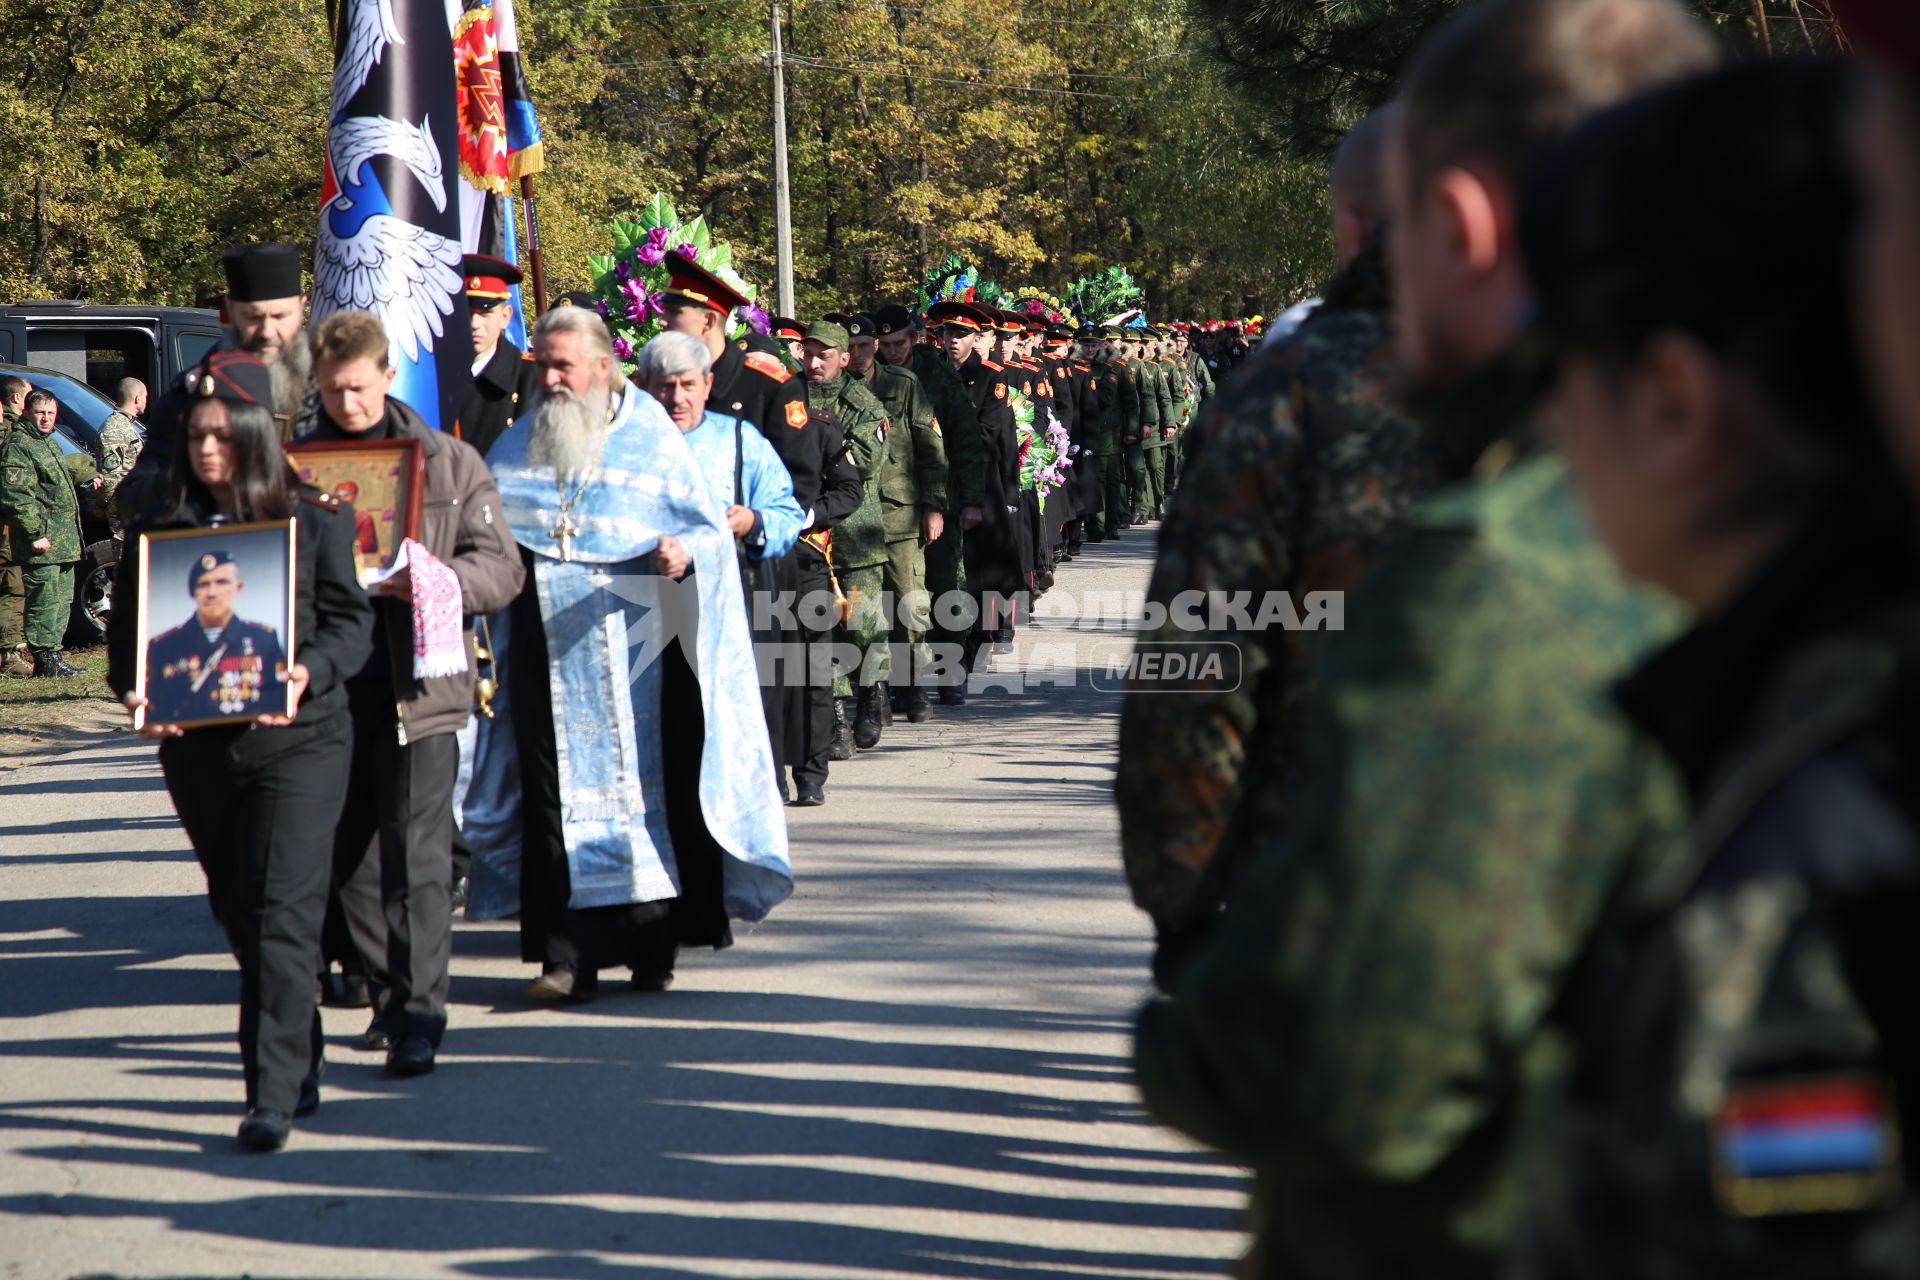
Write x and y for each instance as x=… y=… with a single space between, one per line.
x=500 y=140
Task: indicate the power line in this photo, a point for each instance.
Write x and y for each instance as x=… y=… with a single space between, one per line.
x=922 y=9
x=820 y=64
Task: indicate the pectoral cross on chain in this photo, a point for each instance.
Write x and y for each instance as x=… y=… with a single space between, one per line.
x=565 y=532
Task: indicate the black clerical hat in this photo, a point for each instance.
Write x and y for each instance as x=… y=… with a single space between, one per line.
x=262 y=272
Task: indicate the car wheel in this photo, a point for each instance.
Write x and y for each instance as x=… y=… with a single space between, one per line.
x=92 y=595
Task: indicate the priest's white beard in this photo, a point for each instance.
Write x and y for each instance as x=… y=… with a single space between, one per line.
x=567 y=429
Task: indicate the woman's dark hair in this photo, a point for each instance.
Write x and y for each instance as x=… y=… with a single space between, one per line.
x=1718 y=207
x=262 y=481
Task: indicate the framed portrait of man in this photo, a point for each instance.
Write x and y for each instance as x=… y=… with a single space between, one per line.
x=381 y=480
x=214 y=624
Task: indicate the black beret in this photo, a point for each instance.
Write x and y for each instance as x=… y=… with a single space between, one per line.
x=205 y=564
x=892 y=319
x=860 y=326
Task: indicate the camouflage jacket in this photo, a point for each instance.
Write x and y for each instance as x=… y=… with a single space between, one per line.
x=1747 y=1042
x=1370 y=1024
x=119 y=449
x=913 y=474
x=1199 y=374
x=1297 y=478
x=959 y=429
x=859 y=540
x=38 y=500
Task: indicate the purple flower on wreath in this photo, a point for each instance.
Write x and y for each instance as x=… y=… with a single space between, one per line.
x=622 y=348
x=687 y=251
x=602 y=304
x=641 y=303
x=757 y=320
x=655 y=249
x=622 y=271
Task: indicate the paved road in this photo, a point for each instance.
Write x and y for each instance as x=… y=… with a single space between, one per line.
x=917 y=1067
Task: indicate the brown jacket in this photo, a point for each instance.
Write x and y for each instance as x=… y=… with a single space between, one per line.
x=461 y=525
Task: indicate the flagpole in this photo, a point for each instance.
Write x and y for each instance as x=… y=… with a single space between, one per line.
x=536 y=268
x=782 y=210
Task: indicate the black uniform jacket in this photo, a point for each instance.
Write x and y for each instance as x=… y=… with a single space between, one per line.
x=501 y=390
x=992 y=547
x=761 y=390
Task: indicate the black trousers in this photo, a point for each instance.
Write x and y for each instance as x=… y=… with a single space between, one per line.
x=260 y=806
x=393 y=868
x=762 y=582
x=644 y=936
x=809 y=692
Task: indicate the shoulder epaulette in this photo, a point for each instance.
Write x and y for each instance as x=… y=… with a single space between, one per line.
x=761 y=362
x=319 y=498
x=988 y=364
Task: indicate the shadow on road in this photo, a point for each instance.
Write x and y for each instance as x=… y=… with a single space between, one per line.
x=771 y=1128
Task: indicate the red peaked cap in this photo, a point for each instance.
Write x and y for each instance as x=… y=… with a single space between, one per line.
x=964 y=315
x=688 y=281
x=1888 y=29
x=788 y=327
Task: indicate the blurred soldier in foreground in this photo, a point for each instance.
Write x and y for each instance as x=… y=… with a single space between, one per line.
x=1734 y=1108
x=1300 y=476
x=1368 y=1024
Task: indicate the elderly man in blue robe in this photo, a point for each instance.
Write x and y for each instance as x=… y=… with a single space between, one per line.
x=648 y=812
x=752 y=484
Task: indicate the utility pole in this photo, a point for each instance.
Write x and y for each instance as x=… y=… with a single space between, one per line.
x=782 y=204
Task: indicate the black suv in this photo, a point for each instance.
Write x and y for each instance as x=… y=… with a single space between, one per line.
x=101 y=345
x=80 y=352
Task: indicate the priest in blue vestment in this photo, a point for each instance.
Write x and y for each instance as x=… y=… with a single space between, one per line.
x=649 y=817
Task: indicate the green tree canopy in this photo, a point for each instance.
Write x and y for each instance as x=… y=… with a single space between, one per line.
x=1043 y=138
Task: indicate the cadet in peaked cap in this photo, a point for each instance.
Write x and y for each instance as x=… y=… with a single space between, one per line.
x=506 y=377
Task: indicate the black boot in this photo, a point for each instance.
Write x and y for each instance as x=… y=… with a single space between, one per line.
x=872 y=718
x=918 y=710
x=888 y=702
x=46 y=662
x=841 y=747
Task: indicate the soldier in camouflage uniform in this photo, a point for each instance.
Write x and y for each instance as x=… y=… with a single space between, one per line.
x=1198 y=372
x=1173 y=372
x=119 y=444
x=1301 y=476
x=1143 y=430
x=859 y=541
x=13 y=588
x=966 y=478
x=1747 y=1043
x=1369 y=1025
x=42 y=513
x=1119 y=406
x=913 y=502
